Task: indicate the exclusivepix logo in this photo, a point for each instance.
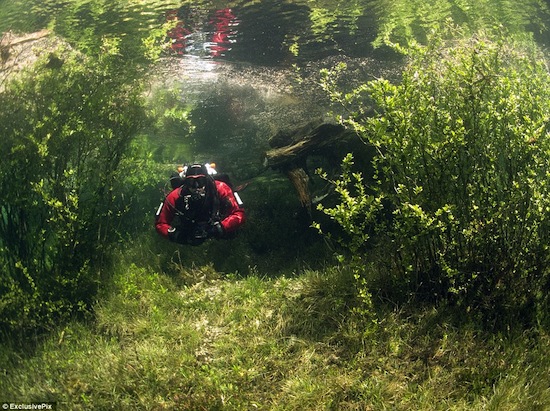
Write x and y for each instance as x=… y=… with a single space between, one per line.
x=28 y=406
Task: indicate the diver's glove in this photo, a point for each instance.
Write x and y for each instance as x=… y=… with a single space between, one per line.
x=215 y=230
x=175 y=235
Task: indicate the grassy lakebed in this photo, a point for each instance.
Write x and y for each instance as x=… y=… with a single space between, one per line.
x=207 y=341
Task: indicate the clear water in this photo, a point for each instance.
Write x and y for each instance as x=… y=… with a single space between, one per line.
x=247 y=69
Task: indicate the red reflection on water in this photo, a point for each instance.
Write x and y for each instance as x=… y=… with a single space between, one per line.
x=214 y=41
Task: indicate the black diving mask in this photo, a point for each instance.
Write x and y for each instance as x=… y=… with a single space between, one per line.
x=196 y=186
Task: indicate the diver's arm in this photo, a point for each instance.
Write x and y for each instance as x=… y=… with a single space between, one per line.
x=235 y=216
x=166 y=215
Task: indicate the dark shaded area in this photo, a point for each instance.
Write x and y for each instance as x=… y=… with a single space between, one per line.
x=265 y=30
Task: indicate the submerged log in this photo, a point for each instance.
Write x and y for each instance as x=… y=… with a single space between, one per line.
x=291 y=148
x=10 y=40
x=20 y=51
x=300 y=180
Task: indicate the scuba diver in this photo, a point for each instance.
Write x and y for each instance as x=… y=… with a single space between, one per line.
x=199 y=207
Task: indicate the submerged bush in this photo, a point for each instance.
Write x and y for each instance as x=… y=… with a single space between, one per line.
x=66 y=129
x=462 y=168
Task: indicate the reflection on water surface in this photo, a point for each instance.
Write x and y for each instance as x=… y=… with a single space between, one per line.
x=269 y=32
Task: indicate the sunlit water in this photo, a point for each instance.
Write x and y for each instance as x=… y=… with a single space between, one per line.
x=257 y=62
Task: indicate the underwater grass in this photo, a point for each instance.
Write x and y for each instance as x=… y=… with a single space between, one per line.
x=287 y=343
